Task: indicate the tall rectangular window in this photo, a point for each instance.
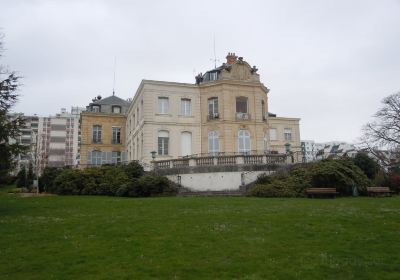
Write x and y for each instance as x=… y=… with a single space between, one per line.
x=241 y=105
x=272 y=134
x=163 y=105
x=186 y=107
x=116 y=157
x=213 y=143
x=116 y=135
x=96 y=158
x=163 y=142
x=213 y=108
x=97 y=134
x=288 y=134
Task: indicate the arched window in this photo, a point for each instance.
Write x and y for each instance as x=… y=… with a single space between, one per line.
x=244 y=142
x=163 y=142
x=213 y=143
x=186 y=143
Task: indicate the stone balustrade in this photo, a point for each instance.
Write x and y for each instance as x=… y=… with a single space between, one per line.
x=221 y=160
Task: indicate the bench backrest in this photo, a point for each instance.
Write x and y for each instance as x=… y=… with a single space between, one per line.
x=378 y=189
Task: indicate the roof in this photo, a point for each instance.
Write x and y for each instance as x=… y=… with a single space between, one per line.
x=112 y=100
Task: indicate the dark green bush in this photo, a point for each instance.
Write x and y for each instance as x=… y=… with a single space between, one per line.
x=340 y=173
x=108 y=180
x=46 y=181
x=134 y=170
x=69 y=181
x=368 y=165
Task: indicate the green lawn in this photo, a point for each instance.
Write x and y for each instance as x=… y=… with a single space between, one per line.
x=85 y=237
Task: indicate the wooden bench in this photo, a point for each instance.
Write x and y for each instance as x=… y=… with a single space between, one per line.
x=312 y=192
x=374 y=191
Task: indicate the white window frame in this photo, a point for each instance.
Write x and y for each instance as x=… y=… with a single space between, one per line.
x=244 y=142
x=213 y=143
x=213 y=107
x=96 y=157
x=273 y=136
x=163 y=142
x=288 y=135
x=163 y=105
x=115 y=131
x=186 y=107
x=97 y=133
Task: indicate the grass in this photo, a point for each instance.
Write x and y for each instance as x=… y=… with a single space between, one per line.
x=77 y=237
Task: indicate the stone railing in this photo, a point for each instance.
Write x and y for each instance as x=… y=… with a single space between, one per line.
x=224 y=160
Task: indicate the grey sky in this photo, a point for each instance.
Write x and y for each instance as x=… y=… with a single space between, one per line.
x=327 y=62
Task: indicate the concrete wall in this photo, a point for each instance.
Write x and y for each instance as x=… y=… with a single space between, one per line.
x=216 y=181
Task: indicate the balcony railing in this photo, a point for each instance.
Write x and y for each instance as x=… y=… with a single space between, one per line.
x=242 y=116
x=227 y=159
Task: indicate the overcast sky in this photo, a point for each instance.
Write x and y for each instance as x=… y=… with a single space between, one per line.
x=327 y=62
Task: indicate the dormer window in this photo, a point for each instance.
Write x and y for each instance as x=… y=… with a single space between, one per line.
x=116 y=109
x=96 y=108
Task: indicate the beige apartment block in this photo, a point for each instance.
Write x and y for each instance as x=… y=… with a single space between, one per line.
x=103 y=133
x=224 y=112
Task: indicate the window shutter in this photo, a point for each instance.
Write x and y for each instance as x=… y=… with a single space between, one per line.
x=109 y=157
x=123 y=156
x=89 y=158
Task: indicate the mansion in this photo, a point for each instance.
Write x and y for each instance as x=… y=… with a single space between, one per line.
x=225 y=112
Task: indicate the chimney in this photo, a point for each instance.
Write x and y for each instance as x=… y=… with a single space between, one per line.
x=231 y=58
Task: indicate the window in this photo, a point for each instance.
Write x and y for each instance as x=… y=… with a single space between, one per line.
x=186 y=107
x=163 y=139
x=116 y=135
x=241 y=105
x=186 y=143
x=97 y=134
x=213 y=108
x=116 y=157
x=163 y=105
x=272 y=134
x=244 y=142
x=116 y=109
x=241 y=108
x=96 y=158
x=263 y=110
x=95 y=108
x=213 y=143
x=137 y=116
x=265 y=144
x=288 y=134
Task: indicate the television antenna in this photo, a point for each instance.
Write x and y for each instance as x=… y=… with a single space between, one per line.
x=215 y=56
x=115 y=63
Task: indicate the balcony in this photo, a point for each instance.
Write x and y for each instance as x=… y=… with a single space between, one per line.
x=243 y=116
x=213 y=116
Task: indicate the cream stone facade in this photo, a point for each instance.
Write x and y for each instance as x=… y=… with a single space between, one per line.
x=225 y=112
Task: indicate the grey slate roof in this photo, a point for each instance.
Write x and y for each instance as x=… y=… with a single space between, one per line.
x=112 y=100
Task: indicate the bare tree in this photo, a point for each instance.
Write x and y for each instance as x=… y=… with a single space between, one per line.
x=382 y=136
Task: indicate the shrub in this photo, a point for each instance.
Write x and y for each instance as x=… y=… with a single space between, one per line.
x=134 y=170
x=342 y=174
x=274 y=189
x=394 y=182
x=22 y=178
x=69 y=181
x=368 y=165
x=46 y=181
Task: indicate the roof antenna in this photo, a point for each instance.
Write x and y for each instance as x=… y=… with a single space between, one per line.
x=215 y=56
x=115 y=63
